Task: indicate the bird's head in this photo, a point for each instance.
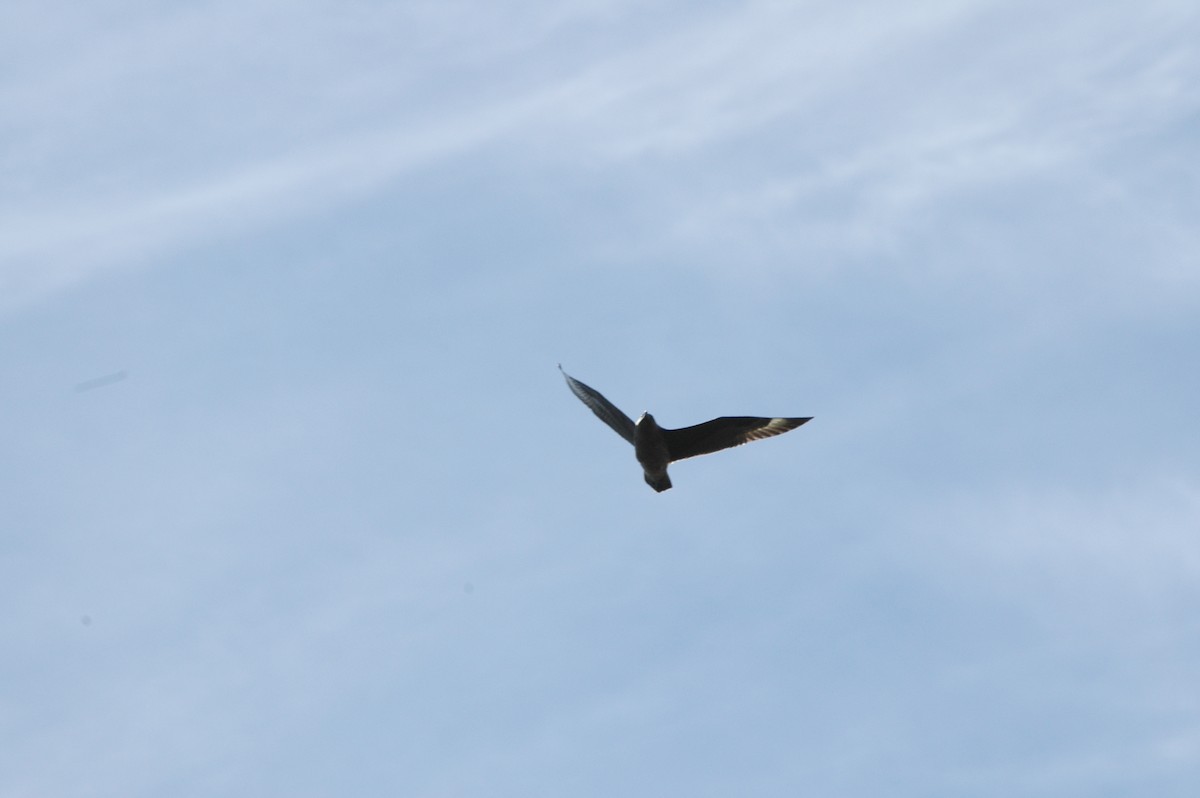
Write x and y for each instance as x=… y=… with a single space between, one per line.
x=647 y=419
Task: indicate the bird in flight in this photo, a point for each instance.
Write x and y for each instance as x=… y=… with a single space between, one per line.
x=657 y=447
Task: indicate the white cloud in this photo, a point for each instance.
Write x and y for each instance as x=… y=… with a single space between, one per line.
x=970 y=112
x=1127 y=555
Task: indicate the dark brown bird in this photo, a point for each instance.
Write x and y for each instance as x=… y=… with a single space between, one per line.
x=657 y=447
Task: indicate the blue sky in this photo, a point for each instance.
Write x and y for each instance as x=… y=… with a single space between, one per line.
x=296 y=501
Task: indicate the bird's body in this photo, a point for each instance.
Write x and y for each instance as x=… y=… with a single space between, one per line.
x=650 y=445
x=657 y=447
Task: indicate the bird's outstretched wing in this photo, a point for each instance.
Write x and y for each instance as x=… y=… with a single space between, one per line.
x=603 y=408
x=722 y=433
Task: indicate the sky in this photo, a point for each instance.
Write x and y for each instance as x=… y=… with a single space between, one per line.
x=296 y=502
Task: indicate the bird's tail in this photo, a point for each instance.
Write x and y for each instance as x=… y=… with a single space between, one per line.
x=659 y=483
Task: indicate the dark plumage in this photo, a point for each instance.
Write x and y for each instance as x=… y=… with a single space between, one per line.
x=656 y=447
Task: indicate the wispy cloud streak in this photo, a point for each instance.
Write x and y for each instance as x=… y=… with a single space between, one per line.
x=722 y=77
